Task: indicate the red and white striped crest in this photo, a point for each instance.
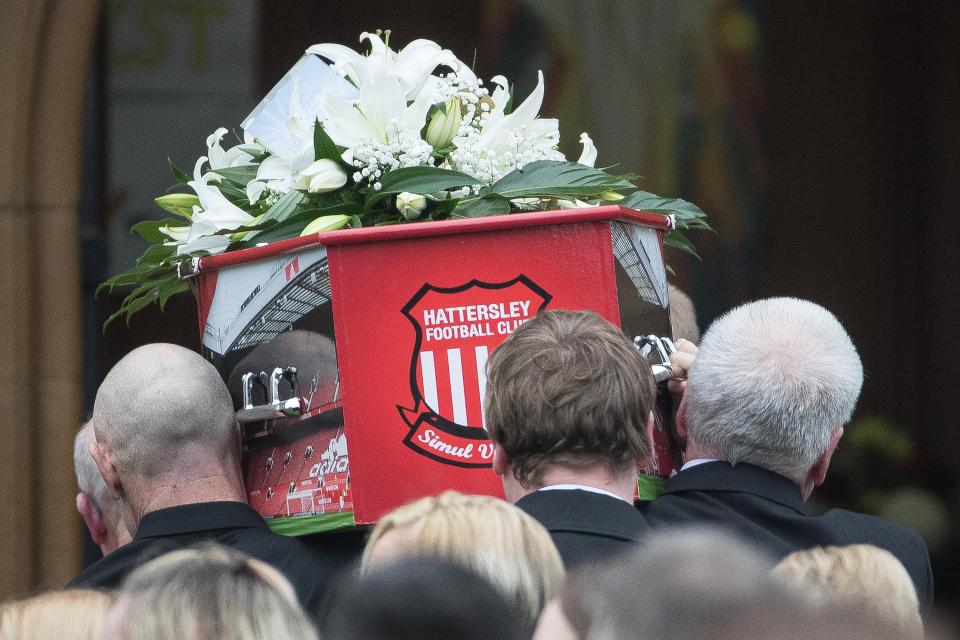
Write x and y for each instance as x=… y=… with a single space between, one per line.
x=456 y=329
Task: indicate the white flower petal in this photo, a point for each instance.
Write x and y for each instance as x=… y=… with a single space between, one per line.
x=520 y=117
x=255 y=189
x=210 y=244
x=344 y=59
x=588 y=156
x=273 y=168
x=177 y=234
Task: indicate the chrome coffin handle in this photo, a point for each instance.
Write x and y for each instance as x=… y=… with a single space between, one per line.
x=658 y=351
x=275 y=407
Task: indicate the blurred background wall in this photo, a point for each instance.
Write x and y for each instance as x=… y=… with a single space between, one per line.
x=821 y=137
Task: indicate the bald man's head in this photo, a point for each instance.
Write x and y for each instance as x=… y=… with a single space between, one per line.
x=159 y=401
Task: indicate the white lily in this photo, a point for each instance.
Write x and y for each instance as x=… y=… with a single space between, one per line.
x=588 y=156
x=235 y=156
x=501 y=132
x=445 y=123
x=325 y=223
x=215 y=213
x=508 y=141
x=279 y=171
x=210 y=243
x=321 y=176
x=412 y=65
x=411 y=205
x=380 y=108
x=574 y=204
x=177 y=235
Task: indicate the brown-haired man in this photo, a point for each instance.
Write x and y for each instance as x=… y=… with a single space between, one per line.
x=568 y=407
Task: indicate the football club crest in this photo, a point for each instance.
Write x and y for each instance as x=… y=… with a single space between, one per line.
x=456 y=329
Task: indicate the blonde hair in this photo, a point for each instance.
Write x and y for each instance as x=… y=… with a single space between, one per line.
x=859 y=576
x=77 y=614
x=208 y=593
x=490 y=536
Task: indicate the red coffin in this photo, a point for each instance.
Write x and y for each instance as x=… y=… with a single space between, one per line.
x=416 y=310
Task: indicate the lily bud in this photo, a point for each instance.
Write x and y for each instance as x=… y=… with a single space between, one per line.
x=445 y=124
x=589 y=155
x=178 y=235
x=180 y=204
x=612 y=196
x=321 y=176
x=325 y=223
x=411 y=205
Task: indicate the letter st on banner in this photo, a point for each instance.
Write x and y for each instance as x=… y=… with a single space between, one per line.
x=456 y=329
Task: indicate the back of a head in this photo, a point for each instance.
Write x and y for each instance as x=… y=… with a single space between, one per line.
x=418 y=598
x=208 y=593
x=89 y=480
x=568 y=388
x=683 y=585
x=683 y=316
x=772 y=381
x=490 y=536
x=860 y=576
x=76 y=614
x=164 y=398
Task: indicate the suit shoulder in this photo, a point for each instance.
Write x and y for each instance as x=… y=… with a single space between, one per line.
x=844 y=517
x=864 y=528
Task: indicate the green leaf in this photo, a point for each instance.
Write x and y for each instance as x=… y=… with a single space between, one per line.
x=440 y=209
x=324 y=147
x=239 y=176
x=178 y=175
x=236 y=195
x=156 y=288
x=420 y=180
x=293 y=225
x=282 y=231
x=156 y=254
x=284 y=207
x=149 y=230
x=687 y=214
x=323 y=200
x=556 y=179
x=491 y=205
x=135 y=305
x=166 y=293
x=677 y=240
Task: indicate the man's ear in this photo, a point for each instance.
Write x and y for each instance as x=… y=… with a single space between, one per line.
x=501 y=462
x=680 y=423
x=651 y=425
x=818 y=472
x=92 y=518
x=108 y=471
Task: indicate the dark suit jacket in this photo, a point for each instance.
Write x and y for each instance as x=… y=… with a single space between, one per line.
x=585 y=526
x=766 y=509
x=233 y=524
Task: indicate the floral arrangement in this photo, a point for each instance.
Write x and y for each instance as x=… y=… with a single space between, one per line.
x=376 y=139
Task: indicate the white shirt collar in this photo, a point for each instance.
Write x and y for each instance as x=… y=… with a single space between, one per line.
x=580 y=487
x=693 y=463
